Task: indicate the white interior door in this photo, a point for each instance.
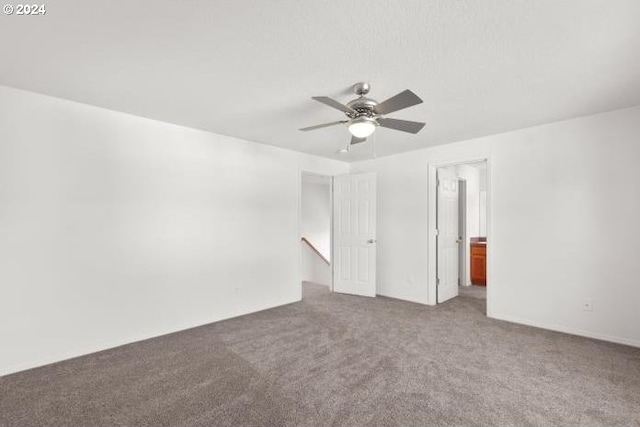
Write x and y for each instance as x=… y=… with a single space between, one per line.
x=448 y=237
x=354 y=236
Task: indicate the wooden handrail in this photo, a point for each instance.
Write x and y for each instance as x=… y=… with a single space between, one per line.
x=304 y=239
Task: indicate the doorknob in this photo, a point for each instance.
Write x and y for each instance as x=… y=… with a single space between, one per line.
x=371 y=241
x=459 y=241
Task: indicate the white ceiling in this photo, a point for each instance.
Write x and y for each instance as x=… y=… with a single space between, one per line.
x=248 y=68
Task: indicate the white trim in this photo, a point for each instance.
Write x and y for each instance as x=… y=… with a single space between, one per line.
x=299 y=275
x=566 y=330
x=431 y=222
x=432 y=233
x=331 y=250
x=302 y=172
x=489 y=233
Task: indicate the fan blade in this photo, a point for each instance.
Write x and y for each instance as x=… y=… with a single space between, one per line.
x=323 y=125
x=400 y=101
x=334 y=104
x=356 y=140
x=403 y=125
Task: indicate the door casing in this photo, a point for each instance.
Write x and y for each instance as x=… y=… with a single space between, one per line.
x=432 y=223
x=302 y=172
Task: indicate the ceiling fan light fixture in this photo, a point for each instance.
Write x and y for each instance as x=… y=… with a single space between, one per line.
x=364 y=115
x=362 y=127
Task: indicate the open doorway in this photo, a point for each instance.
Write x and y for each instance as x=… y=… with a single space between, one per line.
x=316 y=232
x=461 y=230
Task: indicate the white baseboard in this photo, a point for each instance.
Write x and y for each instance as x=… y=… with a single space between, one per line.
x=566 y=330
x=49 y=359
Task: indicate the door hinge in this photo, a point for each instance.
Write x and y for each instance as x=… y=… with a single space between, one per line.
x=438 y=281
x=437 y=232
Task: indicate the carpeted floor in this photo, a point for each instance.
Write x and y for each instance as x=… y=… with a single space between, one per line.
x=339 y=360
x=473 y=291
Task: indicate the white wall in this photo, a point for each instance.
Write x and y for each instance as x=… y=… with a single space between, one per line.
x=483 y=179
x=316 y=212
x=472 y=176
x=563 y=209
x=116 y=228
x=483 y=202
x=483 y=213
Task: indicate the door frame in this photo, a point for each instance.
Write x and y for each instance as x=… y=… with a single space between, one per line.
x=301 y=173
x=432 y=254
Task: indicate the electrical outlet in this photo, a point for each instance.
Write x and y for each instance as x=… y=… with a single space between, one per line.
x=587 y=305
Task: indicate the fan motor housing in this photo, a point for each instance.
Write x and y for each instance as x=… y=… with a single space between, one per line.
x=363 y=107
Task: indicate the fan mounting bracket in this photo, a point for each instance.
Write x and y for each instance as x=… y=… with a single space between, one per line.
x=361 y=88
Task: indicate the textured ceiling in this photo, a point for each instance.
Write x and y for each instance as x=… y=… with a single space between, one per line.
x=248 y=68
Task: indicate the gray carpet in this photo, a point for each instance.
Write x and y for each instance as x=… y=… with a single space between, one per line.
x=339 y=360
x=473 y=291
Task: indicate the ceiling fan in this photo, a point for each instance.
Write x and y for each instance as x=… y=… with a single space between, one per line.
x=365 y=114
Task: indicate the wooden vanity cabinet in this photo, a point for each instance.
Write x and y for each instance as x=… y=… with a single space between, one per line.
x=479 y=264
